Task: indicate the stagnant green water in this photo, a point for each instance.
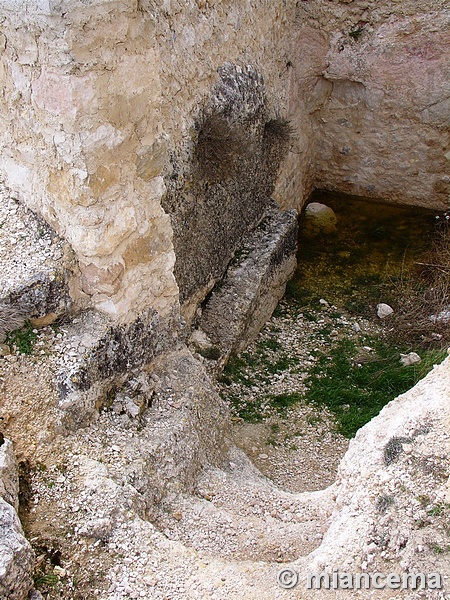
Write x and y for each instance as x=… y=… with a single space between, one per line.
x=374 y=246
x=374 y=250
x=354 y=367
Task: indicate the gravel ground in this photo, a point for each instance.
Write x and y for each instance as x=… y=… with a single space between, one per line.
x=27 y=245
x=95 y=535
x=299 y=449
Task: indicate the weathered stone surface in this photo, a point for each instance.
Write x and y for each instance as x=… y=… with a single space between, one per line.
x=90 y=162
x=232 y=172
x=319 y=218
x=9 y=480
x=102 y=280
x=384 y=128
x=100 y=354
x=253 y=285
x=179 y=448
x=112 y=131
x=184 y=428
x=37 y=268
x=16 y=555
x=42 y=294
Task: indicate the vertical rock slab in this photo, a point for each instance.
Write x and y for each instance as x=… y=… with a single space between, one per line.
x=9 y=480
x=253 y=285
x=231 y=172
x=384 y=128
x=16 y=555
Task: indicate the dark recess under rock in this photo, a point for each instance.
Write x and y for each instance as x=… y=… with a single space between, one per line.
x=222 y=179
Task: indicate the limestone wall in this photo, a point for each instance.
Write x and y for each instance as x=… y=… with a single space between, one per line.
x=101 y=104
x=79 y=115
x=98 y=99
x=383 y=103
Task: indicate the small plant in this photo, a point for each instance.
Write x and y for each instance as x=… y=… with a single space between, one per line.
x=236 y=370
x=281 y=130
x=439 y=549
x=393 y=449
x=424 y=500
x=250 y=412
x=438 y=510
x=270 y=344
x=45 y=580
x=420 y=523
x=23 y=339
x=384 y=502
x=314 y=420
x=422 y=317
x=275 y=428
x=356 y=32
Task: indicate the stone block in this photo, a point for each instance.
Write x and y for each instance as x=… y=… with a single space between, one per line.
x=97 y=355
x=253 y=285
x=9 y=479
x=16 y=555
x=36 y=268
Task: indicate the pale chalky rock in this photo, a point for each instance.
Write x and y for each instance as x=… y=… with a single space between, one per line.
x=319 y=218
x=410 y=359
x=9 y=480
x=384 y=310
x=16 y=554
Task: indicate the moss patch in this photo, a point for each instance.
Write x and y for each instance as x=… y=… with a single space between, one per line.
x=356 y=392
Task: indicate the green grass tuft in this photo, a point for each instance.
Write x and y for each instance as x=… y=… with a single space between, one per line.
x=23 y=339
x=48 y=580
x=355 y=394
x=282 y=401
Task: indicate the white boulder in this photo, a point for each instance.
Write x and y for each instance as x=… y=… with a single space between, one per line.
x=410 y=359
x=384 y=310
x=319 y=218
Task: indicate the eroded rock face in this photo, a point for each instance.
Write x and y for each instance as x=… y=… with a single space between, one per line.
x=252 y=287
x=385 y=116
x=37 y=268
x=77 y=158
x=99 y=355
x=16 y=555
x=231 y=173
x=113 y=112
x=9 y=480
